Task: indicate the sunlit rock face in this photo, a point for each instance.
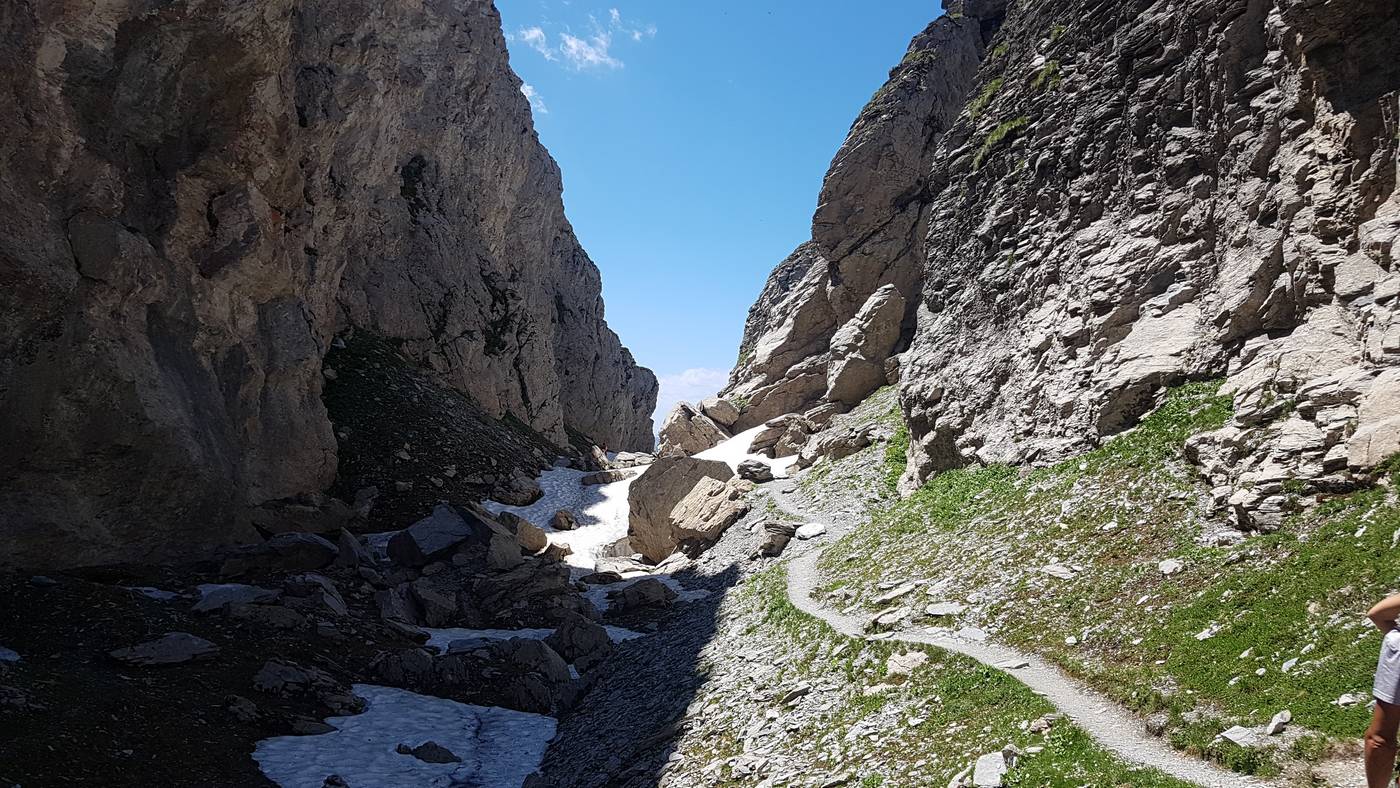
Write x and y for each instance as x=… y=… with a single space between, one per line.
x=198 y=197
x=867 y=232
x=1083 y=206
x=1182 y=192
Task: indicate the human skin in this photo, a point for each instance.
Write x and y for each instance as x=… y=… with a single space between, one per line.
x=1381 y=735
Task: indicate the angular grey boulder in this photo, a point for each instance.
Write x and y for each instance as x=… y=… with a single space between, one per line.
x=433 y=537
x=174 y=648
x=755 y=471
x=651 y=529
x=687 y=431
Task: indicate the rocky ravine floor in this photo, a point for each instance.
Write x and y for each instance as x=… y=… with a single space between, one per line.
x=722 y=695
x=745 y=679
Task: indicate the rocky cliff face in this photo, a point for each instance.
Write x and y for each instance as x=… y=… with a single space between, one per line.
x=199 y=196
x=868 y=230
x=1128 y=196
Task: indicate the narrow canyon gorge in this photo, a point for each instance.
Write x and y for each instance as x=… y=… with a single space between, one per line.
x=1064 y=451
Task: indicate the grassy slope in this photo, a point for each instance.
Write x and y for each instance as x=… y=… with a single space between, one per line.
x=1119 y=623
x=960 y=709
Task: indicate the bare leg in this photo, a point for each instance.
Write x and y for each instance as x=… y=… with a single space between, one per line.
x=1380 y=745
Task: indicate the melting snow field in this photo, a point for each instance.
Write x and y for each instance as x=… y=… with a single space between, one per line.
x=736 y=450
x=601 y=511
x=442 y=638
x=599 y=596
x=498 y=747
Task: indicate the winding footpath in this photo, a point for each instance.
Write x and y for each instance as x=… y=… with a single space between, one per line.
x=1114 y=728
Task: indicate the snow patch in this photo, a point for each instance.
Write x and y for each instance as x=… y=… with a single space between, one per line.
x=599 y=596
x=736 y=450
x=443 y=638
x=599 y=509
x=8 y=655
x=498 y=747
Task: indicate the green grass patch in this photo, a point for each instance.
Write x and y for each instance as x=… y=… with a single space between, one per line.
x=949 y=712
x=1297 y=596
x=984 y=97
x=896 y=457
x=1048 y=76
x=1004 y=131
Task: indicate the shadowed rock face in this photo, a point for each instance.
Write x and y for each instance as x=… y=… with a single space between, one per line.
x=1094 y=201
x=197 y=197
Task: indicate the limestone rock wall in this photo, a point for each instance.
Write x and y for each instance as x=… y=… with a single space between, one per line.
x=868 y=229
x=198 y=195
x=1086 y=202
x=1155 y=192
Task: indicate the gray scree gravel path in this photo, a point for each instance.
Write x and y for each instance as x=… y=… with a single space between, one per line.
x=1113 y=727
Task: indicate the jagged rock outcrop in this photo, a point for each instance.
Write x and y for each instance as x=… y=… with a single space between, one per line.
x=1101 y=200
x=199 y=197
x=868 y=230
x=655 y=528
x=1159 y=193
x=688 y=431
x=860 y=348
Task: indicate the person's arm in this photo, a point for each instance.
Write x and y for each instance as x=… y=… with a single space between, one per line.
x=1386 y=611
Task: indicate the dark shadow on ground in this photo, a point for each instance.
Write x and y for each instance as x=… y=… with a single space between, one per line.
x=625 y=728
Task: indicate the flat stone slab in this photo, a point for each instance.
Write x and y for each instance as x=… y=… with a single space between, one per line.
x=945 y=609
x=432 y=537
x=173 y=649
x=214 y=596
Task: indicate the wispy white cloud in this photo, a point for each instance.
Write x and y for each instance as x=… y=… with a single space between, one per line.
x=536 y=39
x=535 y=99
x=634 y=32
x=691 y=385
x=591 y=51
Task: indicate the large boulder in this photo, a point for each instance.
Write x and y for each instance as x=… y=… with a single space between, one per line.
x=721 y=411
x=687 y=431
x=536 y=593
x=582 y=642
x=290 y=552
x=835 y=444
x=431 y=538
x=652 y=497
x=647 y=592
x=520 y=673
x=781 y=436
x=174 y=648
x=756 y=471
x=708 y=509
x=861 y=346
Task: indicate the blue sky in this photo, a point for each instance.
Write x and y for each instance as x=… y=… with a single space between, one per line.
x=693 y=137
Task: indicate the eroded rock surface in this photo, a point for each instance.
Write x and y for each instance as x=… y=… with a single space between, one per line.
x=1085 y=208
x=200 y=197
x=868 y=230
